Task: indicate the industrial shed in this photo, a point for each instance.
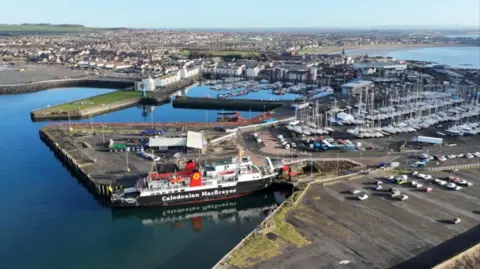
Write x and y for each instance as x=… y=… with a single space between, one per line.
x=193 y=140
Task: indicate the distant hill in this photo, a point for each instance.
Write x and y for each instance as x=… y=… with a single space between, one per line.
x=44 y=29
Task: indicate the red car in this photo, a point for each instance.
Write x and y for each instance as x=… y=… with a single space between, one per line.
x=454 y=179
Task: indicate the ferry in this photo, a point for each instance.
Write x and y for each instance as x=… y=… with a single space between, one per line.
x=218 y=181
x=241 y=209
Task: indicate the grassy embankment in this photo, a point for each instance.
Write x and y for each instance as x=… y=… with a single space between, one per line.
x=103 y=99
x=276 y=234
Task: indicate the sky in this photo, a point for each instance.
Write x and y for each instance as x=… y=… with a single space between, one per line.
x=243 y=13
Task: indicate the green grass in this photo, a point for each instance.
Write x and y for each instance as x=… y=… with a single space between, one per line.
x=185 y=53
x=259 y=248
x=105 y=99
x=10 y=28
x=234 y=52
x=312 y=51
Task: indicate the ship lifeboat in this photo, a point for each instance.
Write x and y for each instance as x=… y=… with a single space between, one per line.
x=174 y=180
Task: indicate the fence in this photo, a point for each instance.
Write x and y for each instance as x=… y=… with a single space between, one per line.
x=452 y=167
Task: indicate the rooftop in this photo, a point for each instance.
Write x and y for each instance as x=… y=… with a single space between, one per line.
x=357 y=84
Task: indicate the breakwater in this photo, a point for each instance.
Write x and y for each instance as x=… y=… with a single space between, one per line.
x=159 y=96
x=50 y=84
x=229 y=104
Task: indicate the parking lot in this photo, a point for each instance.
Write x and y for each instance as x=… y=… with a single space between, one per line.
x=381 y=231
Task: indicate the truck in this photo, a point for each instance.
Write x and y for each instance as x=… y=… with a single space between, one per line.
x=427 y=139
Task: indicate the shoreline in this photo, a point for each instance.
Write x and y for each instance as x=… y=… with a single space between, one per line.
x=338 y=50
x=398 y=47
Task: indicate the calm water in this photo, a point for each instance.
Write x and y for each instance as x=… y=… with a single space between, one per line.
x=166 y=112
x=468 y=57
x=50 y=221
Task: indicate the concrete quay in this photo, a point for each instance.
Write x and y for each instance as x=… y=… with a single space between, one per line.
x=161 y=95
x=230 y=104
x=50 y=84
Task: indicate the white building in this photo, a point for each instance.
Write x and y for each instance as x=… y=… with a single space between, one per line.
x=193 y=140
x=167 y=79
x=120 y=66
x=189 y=72
x=354 y=87
x=253 y=71
x=148 y=84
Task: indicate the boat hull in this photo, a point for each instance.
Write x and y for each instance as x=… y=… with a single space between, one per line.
x=196 y=197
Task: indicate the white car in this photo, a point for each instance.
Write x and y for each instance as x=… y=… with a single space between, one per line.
x=419 y=186
x=424 y=156
x=453 y=186
x=477 y=154
x=469 y=156
x=414 y=183
x=442 y=182
x=389 y=177
x=362 y=197
x=379 y=182
x=427 y=177
x=403 y=197
x=414 y=173
x=355 y=192
x=442 y=158
x=463 y=182
x=461 y=155
x=377 y=187
x=421 y=175
x=456 y=220
x=452 y=156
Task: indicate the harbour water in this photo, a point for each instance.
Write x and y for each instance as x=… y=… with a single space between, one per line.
x=50 y=221
x=462 y=57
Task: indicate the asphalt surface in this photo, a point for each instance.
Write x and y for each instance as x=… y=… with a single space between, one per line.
x=381 y=232
x=36 y=73
x=384 y=149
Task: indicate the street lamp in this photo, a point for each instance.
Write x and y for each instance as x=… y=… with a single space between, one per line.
x=126 y=159
x=103 y=133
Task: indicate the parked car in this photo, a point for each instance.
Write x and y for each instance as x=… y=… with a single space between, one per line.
x=362 y=197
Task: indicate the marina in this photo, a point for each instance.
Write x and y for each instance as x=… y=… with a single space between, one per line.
x=270 y=149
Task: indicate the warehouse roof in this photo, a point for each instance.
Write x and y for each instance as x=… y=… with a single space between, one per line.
x=357 y=84
x=167 y=142
x=193 y=140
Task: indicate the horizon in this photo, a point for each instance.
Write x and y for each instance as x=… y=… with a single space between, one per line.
x=248 y=14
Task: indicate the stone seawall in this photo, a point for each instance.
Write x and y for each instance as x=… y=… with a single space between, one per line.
x=50 y=84
x=230 y=104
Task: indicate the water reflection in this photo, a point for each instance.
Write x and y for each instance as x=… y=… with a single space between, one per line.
x=238 y=211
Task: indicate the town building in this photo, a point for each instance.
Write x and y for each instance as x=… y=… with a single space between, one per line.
x=355 y=87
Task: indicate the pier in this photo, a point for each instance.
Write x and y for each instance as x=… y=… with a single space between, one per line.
x=107 y=103
x=229 y=104
x=61 y=83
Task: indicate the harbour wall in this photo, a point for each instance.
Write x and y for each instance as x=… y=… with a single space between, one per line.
x=227 y=104
x=161 y=95
x=50 y=84
x=99 y=190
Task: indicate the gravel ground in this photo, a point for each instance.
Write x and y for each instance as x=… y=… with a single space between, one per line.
x=379 y=232
x=36 y=73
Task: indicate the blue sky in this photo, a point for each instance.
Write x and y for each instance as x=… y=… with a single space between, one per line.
x=243 y=13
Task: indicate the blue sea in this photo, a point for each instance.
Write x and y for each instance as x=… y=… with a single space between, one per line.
x=50 y=221
x=463 y=57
